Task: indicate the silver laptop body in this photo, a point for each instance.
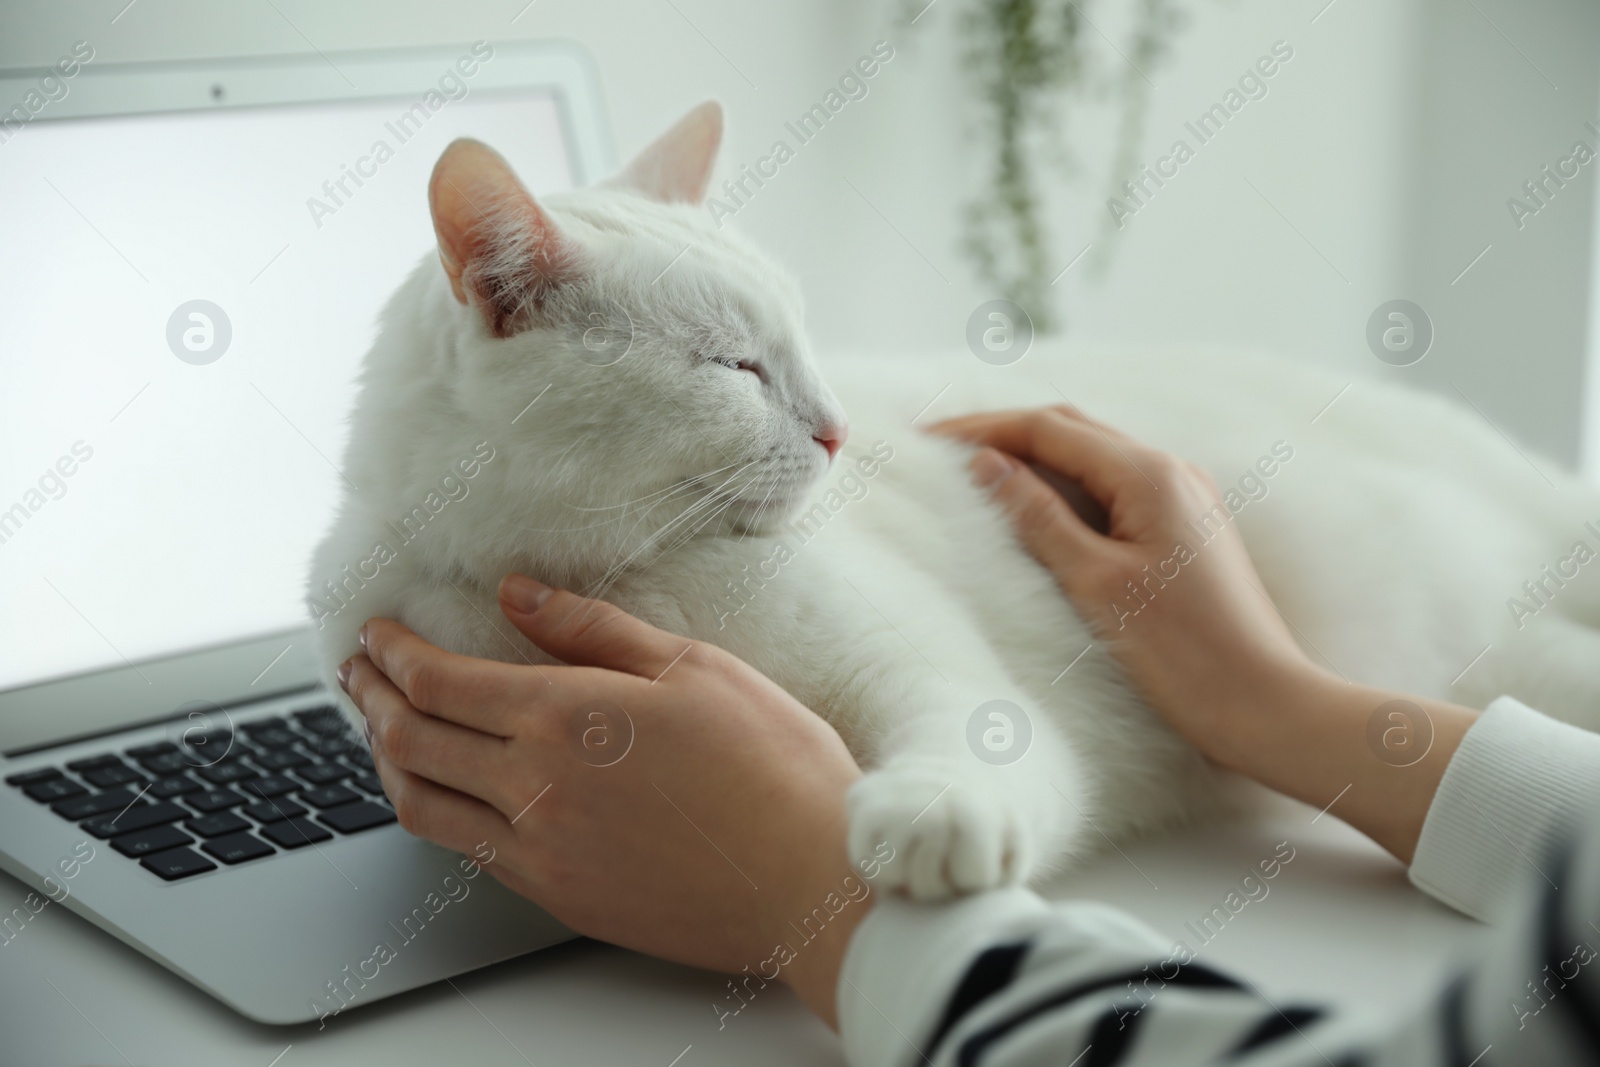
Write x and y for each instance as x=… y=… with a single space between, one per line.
x=196 y=798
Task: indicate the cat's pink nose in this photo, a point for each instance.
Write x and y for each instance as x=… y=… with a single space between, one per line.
x=831 y=437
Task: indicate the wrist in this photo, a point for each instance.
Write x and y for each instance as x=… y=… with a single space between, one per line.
x=813 y=974
x=814 y=918
x=1274 y=706
x=1372 y=757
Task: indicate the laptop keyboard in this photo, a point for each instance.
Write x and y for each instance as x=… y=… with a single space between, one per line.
x=276 y=784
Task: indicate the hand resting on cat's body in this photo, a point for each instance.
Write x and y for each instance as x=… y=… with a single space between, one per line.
x=604 y=389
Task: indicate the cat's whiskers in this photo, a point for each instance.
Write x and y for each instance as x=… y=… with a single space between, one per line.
x=613 y=573
x=708 y=494
x=683 y=537
x=572 y=529
x=580 y=439
x=657 y=498
x=749 y=525
x=715 y=499
x=708 y=498
x=685 y=534
x=755 y=520
x=680 y=483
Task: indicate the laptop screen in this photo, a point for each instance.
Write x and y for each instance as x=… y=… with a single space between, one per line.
x=188 y=298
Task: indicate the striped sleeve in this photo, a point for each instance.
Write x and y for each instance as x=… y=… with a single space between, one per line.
x=1004 y=979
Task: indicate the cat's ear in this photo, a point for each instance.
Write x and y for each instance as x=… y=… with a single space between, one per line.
x=676 y=167
x=500 y=249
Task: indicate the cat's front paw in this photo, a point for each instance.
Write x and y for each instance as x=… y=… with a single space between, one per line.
x=950 y=833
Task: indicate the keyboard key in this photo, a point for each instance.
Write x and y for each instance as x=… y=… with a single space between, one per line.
x=176 y=786
x=324 y=773
x=54 y=789
x=177 y=863
x=199 y=737
x=159 y=748
x=89 y=763
x=223 y=773
x=270 y=786
x=79 y=808
x=329 y=796
x=167 y=763
x=356 y=817
x=370 y=782
x=236 y=848
x=136 y=818
x=294 y=833
x=207 y=748
x=360 y=759
x=213 y=800
x=330 y=745
x=43 y=774
x=216 y=825
x=321 y=721
x=271 y=810
x=110 y=777
x=271 y=722
x=275 y=738
x=146 y=842
x=282 y=760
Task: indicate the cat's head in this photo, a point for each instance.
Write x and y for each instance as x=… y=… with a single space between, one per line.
x=664 y=358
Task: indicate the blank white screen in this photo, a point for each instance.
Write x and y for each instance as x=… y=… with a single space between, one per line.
x=193 y=521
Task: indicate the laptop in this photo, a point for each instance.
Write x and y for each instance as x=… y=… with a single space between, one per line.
x=197 y=255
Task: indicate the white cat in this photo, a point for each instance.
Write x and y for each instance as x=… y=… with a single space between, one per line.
x=605 y=390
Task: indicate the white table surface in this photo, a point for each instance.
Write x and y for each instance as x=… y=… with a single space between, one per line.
x=1340 y=923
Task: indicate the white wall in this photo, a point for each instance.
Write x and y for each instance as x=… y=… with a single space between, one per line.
x=1591 y=378
x=1386 y=148
x=1207 y=259
x=1496 y=104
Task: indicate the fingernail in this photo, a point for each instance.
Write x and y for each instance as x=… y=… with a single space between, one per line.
x=361 y=635
x=990 y=467
x=523 y=593
x=344 y=673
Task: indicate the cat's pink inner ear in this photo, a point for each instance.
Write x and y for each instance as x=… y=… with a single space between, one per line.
x=676 y=167
x=497 y=246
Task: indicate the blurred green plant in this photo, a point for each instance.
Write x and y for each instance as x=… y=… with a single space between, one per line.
x=1025 y=60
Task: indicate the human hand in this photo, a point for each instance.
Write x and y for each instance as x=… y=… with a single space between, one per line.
x=1205 y=647
x=718 y=819
x=1169 y=589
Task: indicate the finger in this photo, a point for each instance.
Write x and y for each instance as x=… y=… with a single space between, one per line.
x=443 y=816
x=468 y=761
x=476 y=693
x=1044 y=522
x=1073 y=411
x=960 y=425
x=1069 y=445
x=586 y=632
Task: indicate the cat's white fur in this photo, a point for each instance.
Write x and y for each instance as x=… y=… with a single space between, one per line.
x=1392 y=539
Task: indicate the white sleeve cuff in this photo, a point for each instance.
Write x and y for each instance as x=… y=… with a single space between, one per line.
x=1519 y=781
x=904 y=961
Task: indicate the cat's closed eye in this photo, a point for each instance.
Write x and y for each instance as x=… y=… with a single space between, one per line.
x=737 y=364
